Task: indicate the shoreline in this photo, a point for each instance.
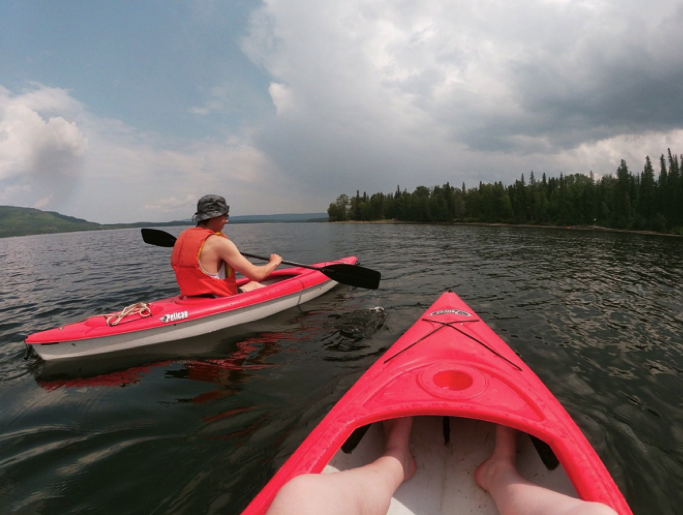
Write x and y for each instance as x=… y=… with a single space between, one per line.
x=596 y=228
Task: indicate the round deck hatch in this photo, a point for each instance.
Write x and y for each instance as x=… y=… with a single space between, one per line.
x=452 y=381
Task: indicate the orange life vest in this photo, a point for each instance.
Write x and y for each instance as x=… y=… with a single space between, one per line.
x=185 y=262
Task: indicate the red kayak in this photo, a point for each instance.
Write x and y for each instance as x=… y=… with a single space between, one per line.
x=459 y=380
x=180 y=317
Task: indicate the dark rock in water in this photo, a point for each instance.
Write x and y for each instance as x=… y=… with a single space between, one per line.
x=362 y=323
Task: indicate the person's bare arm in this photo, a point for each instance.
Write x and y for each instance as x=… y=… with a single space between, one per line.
x=217 y=248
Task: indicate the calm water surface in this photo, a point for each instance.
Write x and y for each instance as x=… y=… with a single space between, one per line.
x=200 y=427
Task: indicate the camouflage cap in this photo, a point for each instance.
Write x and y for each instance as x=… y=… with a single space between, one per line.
x=210 y=206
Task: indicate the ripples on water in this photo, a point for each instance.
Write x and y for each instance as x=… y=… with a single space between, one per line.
x=200 y=429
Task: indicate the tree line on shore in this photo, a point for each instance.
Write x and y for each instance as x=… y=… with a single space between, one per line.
x=625 y=200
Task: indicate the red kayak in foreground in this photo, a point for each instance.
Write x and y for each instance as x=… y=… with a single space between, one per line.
x=179 y=317
x=459 y=380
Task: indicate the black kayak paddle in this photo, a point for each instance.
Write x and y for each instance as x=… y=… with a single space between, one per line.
x=353 y=275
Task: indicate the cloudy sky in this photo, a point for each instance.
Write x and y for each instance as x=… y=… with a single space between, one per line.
x=124 y=111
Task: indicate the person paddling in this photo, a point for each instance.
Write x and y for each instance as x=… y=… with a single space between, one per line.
x=205 y=260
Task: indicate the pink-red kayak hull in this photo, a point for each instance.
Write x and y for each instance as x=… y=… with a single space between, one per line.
x=450 y=363
x=182 y=317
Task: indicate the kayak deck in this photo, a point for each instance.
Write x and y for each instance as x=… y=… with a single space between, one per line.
x=444 y=480
x=451 y=366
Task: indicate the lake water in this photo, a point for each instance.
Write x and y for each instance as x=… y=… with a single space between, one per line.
x=200 y=429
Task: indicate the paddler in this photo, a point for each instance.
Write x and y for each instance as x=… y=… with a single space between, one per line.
x=205 y=260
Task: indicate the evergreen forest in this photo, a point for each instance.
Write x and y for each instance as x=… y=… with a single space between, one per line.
x=643 y=201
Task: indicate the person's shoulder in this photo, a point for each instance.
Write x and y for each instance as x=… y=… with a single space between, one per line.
x=218 y=238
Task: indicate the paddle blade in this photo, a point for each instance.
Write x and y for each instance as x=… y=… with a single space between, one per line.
x=353 y=275
x=158 y=238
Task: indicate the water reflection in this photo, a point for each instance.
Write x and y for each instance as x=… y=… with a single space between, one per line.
x=245 y=352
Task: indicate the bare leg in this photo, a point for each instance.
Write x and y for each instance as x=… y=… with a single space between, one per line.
x=251 y=286
x=365 y=490
x=514 y=495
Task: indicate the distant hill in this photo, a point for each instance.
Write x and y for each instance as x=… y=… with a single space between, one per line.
x=20 y=221
x=23 y=221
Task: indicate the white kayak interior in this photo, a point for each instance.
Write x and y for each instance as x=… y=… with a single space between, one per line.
x=444 y=480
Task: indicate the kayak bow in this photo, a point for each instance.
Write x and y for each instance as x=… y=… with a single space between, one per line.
x=459 y=379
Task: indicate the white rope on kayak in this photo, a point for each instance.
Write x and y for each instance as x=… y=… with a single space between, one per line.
x=140 y=308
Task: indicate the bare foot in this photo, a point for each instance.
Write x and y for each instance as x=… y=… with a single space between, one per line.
x=397 y=431
x=502 y=460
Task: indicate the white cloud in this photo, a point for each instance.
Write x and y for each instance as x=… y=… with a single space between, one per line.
x=433 y=91
x=106 y=171
x=282 y=97
x=148 y=181
x=30 y=142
